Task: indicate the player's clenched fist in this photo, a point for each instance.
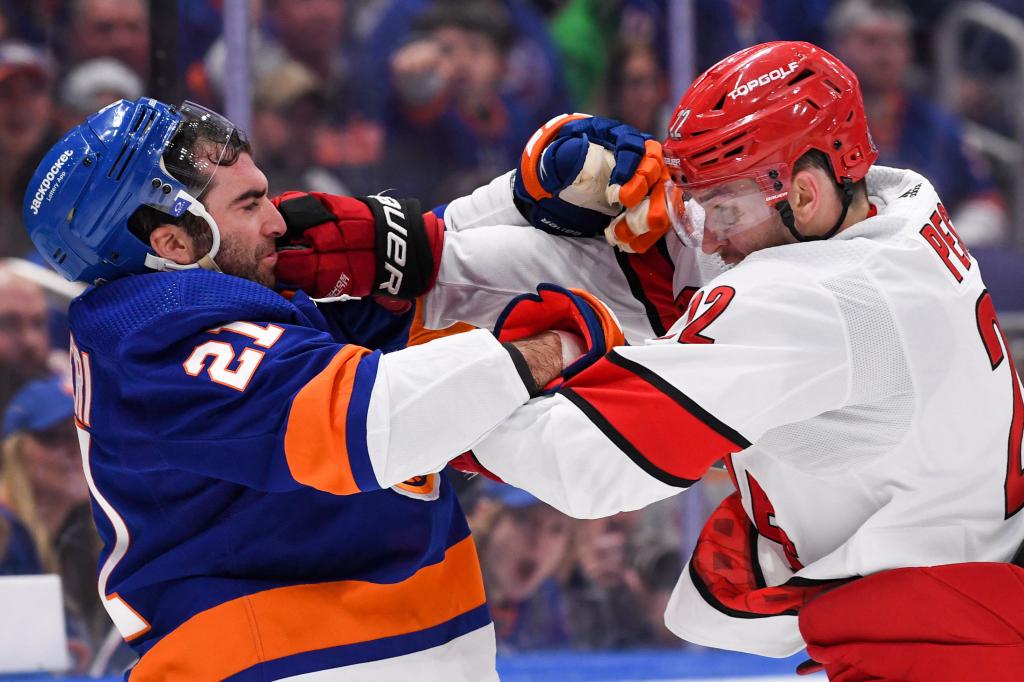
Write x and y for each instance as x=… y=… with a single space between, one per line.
x=578 y=173
x=343 y=246
x=586 y=327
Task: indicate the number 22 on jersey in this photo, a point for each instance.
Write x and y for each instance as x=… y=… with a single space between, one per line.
x=999 y=350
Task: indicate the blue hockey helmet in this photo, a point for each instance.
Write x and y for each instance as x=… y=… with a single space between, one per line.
x=127 y=155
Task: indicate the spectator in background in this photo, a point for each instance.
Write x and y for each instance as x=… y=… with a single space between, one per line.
x=726 y=27
x=533 y=77
x=306 y=41
x=636 y=89
x=874 y=38
x=524 y=548
x=607 y=601
x=110 y=28
x=24 y=334
x=41 y=481
x=288 y=118
x=449 y=103
x=27 y=129
x=41 y=470
x=92 y=85
x=18 y=554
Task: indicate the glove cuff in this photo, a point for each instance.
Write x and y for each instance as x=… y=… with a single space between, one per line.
x=407 y=257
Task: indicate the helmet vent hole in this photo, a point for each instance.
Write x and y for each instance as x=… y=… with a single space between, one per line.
x=812 y=104
x=806 y=73
x=719 y=104
x=733 y=139
x=140 y=129
x=705 y=152
x=734 y=152
x=850 y=117
x=833 y=86
x=145 y=113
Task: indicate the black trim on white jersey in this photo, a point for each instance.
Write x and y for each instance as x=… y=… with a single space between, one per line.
x=687 y=403
x=637 y=289
x=620 y=441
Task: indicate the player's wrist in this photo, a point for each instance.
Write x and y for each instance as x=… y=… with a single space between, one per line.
x=538 y=359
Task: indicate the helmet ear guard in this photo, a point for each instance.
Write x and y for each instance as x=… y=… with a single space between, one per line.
x=196 y=208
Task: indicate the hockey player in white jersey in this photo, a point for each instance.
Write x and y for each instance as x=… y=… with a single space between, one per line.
x=849 y=369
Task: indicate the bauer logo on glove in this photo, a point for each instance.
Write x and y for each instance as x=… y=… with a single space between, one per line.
x=344 y=247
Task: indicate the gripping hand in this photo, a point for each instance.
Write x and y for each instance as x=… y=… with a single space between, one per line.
x=578 y=172
x=573 y=312
x=342 y=246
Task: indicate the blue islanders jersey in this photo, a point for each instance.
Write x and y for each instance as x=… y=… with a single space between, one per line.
x=246 y=456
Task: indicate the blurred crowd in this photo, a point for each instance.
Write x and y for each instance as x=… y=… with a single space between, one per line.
x=432 y=98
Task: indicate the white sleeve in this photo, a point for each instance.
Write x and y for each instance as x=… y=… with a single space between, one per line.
x=551 y=449
x=483 y=268
x=768 y=353
x=491 y=204
x=432 y=402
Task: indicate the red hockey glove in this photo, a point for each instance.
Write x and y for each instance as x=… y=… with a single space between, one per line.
x=344 y=246
x=469 y=464
x=568 y=310
x=936 y=624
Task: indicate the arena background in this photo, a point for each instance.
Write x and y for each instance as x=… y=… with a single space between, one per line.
x=431 y=99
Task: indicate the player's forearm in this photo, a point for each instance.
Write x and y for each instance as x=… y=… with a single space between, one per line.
x=431 y=402
x=552 y=450
x=481 y=269
x=491 y=204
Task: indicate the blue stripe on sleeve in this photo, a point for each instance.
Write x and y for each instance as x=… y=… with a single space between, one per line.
x=355 y=423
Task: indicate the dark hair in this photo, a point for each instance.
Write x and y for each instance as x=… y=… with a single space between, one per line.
x=489 y=18
x=199 y=142
x=815 y=158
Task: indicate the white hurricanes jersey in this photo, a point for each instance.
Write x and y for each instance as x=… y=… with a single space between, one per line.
x=860 y=388
x=491 y=255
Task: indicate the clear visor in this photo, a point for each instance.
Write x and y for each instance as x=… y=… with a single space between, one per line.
x=197 y=148
x=726 y=208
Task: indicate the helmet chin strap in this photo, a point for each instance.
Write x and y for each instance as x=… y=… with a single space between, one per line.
x=786 y=212
x=207 y=262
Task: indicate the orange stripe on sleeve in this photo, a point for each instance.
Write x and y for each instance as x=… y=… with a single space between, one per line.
x=314 y=440
x=265 y=626
x=419 y=334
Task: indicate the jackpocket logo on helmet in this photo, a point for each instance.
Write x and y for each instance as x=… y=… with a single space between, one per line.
x=51 y=181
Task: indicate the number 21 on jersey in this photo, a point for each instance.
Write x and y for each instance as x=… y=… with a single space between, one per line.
x=221 y=354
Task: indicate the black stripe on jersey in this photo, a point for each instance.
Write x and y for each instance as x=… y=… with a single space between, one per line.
x=755 y=565
x=637 y=289
x=616 y=437
x=797 y=581
x=709 y=420
x=712 y=600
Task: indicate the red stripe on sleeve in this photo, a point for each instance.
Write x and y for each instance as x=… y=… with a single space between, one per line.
x=655 y=424
x=649 y=276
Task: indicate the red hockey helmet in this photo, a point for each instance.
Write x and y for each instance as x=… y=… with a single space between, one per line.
x=746 y=120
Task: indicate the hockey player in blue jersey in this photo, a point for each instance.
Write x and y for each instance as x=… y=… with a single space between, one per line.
x=262 y=470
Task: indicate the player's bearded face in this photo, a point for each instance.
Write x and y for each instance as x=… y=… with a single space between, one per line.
x=249 y=224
